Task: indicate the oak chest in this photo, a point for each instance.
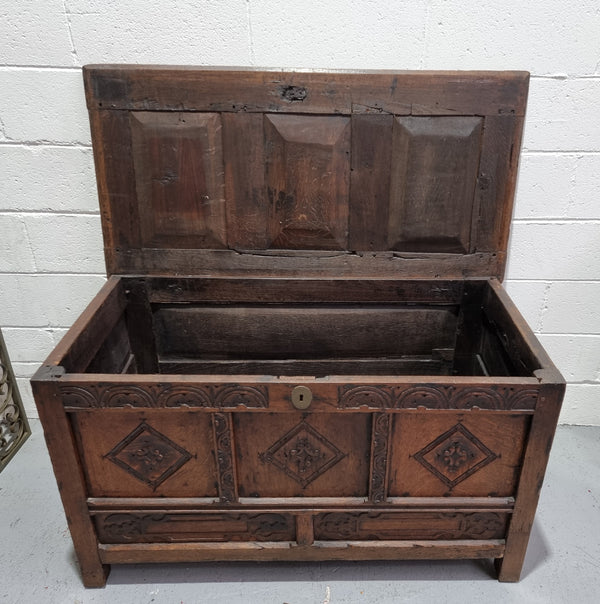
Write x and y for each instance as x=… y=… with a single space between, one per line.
x=304 y=350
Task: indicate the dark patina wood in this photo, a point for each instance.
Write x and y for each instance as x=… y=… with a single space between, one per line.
x=303 y=350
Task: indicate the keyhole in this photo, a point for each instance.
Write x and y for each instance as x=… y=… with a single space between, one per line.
x=301 y=397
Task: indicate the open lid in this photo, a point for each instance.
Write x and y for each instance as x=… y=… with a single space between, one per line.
x=231 y=171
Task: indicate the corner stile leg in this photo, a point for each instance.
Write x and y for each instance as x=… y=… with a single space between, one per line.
x=541 y=436
x=70 y=479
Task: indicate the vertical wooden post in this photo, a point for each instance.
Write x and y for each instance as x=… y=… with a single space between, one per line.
x=304 y=529
x=380 y=449
x=138 y=315
x=541 y=435
x=69 y=474
x=227 y=479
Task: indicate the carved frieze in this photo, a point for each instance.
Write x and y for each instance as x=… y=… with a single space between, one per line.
x=194 y=526
x=409 y=525
x=436 y=397
x=219 y=396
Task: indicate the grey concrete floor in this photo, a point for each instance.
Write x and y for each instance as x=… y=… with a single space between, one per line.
x=37 y=562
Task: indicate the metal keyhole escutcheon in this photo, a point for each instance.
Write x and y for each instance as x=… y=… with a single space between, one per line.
x=301 y=397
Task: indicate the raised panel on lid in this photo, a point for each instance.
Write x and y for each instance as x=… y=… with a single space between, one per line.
x=178 y=161
x=307 y=177
x=246 y=171
x=433 y=174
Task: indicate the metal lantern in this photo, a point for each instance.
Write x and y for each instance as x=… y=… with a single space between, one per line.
x=14 y=429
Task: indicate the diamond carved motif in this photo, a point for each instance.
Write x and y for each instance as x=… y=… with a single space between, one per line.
x=149 y=455
x=303 y=454
x=455 y=455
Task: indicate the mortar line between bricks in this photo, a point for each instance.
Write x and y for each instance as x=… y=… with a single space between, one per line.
x=564 y=76
x=540 y=221
x=548 y=280
x=425 y=45
x=30 y=247
x=11 y=212
x=77 y=274
x=17 y=67
x=29 y=328
x=250 y=34
x=556 y=220
x=557 y=152
x=44 y=144
x=52 y=274
x=74 y=55
x=46 y=326
x=569 y=335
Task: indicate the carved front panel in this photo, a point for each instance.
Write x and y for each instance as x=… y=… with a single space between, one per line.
x=186 y=527
x=281 y=455
x=339 y=526
x=180 y=186
x=473 y=454
x=147 y=454
x=303 y=454
x=307 y=177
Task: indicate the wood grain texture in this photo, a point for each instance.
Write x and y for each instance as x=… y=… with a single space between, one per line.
x=307 y=176
x=311 y=332
x=83 y=340
x=380 y=456
x=341 y=232
x=178 y=164
x=330 y=393
x=69 y=473
x=141 y=454
x=457 y=455
x=431 y=158
x=370 y=189
x=280 y=455
x=535 y=461
x=140 y=326
x=250 y=90
x=225 y=457
x=433 y=174
x=128 y=553
x=244 y=165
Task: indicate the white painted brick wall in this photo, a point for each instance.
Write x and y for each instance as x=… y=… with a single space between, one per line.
x=51 y=260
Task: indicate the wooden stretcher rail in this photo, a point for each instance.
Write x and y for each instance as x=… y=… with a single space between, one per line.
x=289 y=551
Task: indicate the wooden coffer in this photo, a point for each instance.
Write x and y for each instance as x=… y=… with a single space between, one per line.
x=303 y=350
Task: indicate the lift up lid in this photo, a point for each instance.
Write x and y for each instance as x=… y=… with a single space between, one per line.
x=307 y=174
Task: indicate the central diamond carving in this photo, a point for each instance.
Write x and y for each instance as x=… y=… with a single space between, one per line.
x=455 y=455
x=303 y=454
x=149 y=455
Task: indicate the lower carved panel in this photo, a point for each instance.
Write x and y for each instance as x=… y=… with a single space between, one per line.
x=409 y=525
x=193 y=527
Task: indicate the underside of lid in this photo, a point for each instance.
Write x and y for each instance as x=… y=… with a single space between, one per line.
x=228 y=171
